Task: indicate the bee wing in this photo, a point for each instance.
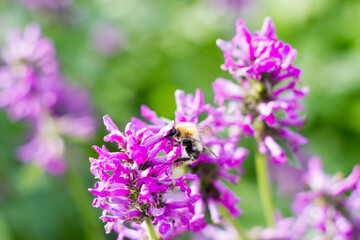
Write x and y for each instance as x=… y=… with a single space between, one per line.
x=205 y=131
x=208 y=149
x=204 y=146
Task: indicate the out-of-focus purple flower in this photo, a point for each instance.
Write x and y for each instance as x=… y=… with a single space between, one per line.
x=229 y=4
x=213 y=232
x=137 y=183
x=46 y=148
x=73 y=112
x=210 y=169
x=325 y=211
x=107 y=38
x=50 y=5
x=264 y=98
x=285 y=229
x=286 y=176
x=352 y=203
x=33 y=89
x=30 y=79
x=326 y=185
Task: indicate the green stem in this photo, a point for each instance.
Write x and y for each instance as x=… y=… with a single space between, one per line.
x=264 y=188
x=82 y=201
x=236 y=224
x=152 y=233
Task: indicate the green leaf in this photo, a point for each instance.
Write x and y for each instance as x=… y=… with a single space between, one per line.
x=291 y=157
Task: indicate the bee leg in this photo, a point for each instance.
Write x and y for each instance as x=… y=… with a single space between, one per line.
x=182 y=159
x=195 y=154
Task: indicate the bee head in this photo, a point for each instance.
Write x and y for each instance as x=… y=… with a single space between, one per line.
x=173 y=133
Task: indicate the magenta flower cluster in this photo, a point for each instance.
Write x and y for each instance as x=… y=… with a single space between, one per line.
x=33 y=89
x=263 y=97
x=137 y=183
x=210 y=169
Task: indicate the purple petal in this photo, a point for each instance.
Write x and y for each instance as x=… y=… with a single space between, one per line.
x=150 y=115
x=226 y=89
x=243 y=38
x=180 y=101
x=214 y=211
x=268 y=29
x=348 y=183
x=110 y=125
x=278 y=155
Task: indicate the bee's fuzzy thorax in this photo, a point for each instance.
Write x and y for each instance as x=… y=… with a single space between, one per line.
x=186 y=128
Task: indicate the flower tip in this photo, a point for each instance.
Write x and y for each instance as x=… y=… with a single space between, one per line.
x=198 y=92
x=241 y=153
x=223 y=67
x=33 y=27
x=109 y=124
x=315 y=163
x=305 y=90
x=268 y=20
x=106 y=118
x=356 y=172
x=130 y=129
x=144 y=108
x=279 y=160
x=268 y=28
x=219 y=42
x=240 y=23
x=166 y=130
x=179 y=93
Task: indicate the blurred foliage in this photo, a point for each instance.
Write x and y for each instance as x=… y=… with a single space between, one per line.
x=169 y=45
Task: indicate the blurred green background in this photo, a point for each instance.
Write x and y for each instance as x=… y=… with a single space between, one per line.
x=166 y=45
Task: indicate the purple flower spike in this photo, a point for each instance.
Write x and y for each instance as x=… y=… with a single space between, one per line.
x=47 y=153
x=33 y=89
x=212 y=232
x=209 y=169
x=264 y=97
x=29 y=80
x=136 y=183
x=107 y=38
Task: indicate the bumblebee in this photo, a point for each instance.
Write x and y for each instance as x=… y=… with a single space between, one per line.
x=188 y=135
